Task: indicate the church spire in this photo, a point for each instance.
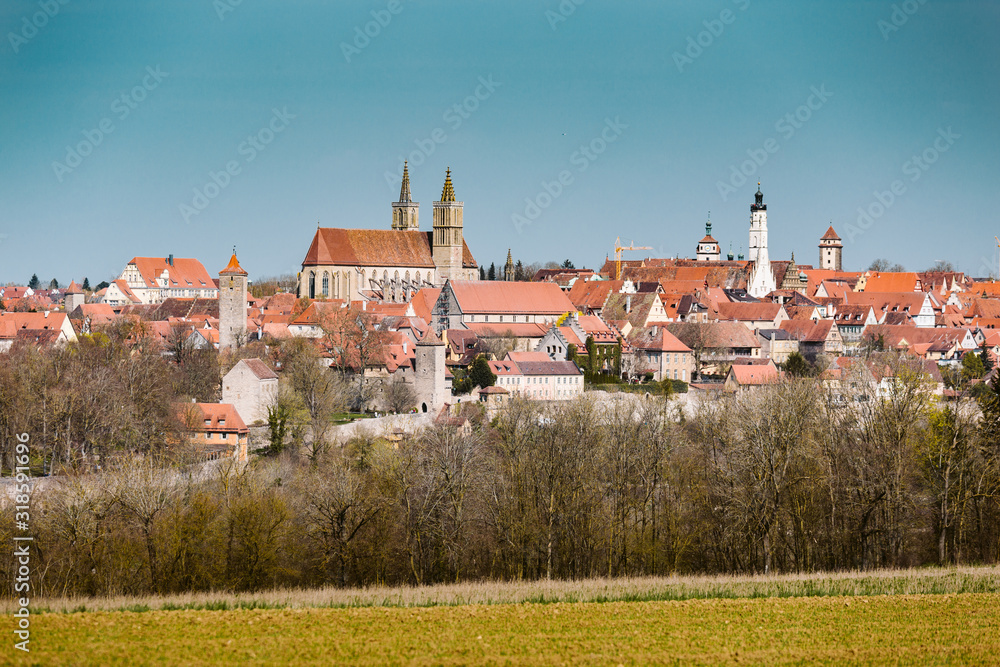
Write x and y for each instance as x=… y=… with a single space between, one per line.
x=404 y=191
x=448 y=193
x=405 y=212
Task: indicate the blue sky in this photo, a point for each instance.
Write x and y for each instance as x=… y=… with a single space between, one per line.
x=645 y=110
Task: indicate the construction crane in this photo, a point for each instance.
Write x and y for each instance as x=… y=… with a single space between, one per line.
x=618 y=254
x=998 y=246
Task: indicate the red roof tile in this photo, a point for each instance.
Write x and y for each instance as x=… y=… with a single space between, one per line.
x=375 y=247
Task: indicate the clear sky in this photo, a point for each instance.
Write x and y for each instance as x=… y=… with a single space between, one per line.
x=115 y=116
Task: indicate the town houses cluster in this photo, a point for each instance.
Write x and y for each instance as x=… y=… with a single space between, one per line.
x=710 y=323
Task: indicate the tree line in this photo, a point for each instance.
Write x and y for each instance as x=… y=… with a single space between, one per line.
x=786 y=478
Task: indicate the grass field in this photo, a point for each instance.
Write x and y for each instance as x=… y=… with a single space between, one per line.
x=919 y=630
x=925 y=616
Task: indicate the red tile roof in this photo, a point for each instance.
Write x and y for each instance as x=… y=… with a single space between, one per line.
x=489 y=297
x=658 y=339
x=221 y=417
x=375 y=247
x=755 y=374
x=892 y=282
x=233 y=268
x=808 y=331
x=592 y=294
x=517 y=329
x=260 y=369
x=748 y=312
x=830 y=235
x=183 y=272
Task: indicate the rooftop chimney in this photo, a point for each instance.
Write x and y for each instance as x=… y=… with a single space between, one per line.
x=170 y=260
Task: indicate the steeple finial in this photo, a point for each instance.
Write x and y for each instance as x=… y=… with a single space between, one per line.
x=708 y=225
x=404 y=191
x=448 y=193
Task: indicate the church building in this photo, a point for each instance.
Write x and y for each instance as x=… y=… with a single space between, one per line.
x=390 y=264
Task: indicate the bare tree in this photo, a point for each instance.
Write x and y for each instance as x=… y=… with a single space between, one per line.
x=399 y=395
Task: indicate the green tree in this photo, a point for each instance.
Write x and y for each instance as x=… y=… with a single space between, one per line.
x=568 y=265
x=972 y=367
x=519 y=271
x=277 y=424
x=86 y=284
x=34 y=283
x=989 y=425
x=798 y=366
x=591 y=355
x=492 y=273
x=480 y=373
x=482 y=273
x=53 y=284
x=987 y=361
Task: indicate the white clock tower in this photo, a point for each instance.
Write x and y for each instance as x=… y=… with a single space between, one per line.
x=761 y=281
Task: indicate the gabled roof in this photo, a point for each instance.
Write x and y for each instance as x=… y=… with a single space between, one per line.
x=591 y=294
x=658 y=339
x=489 y=297
x=423 y=302
x=807 y=331
x=375 y=247
x=749 y=312
x=259 y=368
x=516 y=329
x=221 y=417
x=893 y=282
x=754 y=375
x=184 y=272
x=714 y=335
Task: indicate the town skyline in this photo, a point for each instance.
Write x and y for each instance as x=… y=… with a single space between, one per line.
x=230 y=123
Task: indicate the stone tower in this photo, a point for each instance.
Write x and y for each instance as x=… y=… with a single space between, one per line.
x=232 y=305
x=74 y=297
x=447 y=243
x=405 y=212
x=761 y=281
x=508 y=268
x=429 y=382
x=830 y=251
